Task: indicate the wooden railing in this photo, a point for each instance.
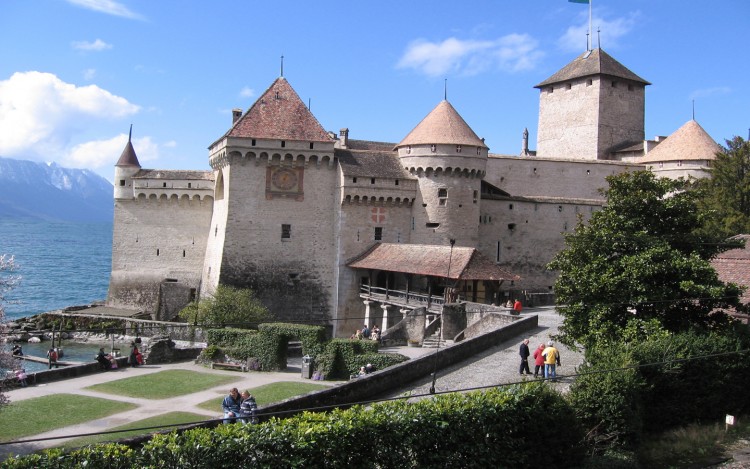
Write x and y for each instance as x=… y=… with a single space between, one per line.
x=410 y=299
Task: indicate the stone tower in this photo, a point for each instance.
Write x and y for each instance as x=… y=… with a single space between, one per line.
x=273 y=226
x=449 y=161
x=590 y=108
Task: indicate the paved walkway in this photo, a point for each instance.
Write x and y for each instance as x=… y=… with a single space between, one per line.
x=498 y=365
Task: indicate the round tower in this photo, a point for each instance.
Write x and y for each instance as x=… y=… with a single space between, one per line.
x=125 y=169
x=449 y=162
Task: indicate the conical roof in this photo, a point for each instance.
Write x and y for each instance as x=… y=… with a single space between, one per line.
x=593 y=62
x=128 y=156
x=443 y=125
x=689 y=142
x=279 y=114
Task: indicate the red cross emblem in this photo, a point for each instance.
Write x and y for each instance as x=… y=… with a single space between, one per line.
x=378 y=215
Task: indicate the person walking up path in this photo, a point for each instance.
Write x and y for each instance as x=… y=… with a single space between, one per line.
x=523 y=351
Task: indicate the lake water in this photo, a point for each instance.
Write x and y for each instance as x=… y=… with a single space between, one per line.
x=60 y=264
x=72 y=351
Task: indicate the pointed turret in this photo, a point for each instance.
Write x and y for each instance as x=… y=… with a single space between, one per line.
x=449 y=160
x=590 y=108
x=687 y=152
x=125 y=168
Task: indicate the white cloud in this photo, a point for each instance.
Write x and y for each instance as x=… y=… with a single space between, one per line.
x=97 y=154
x=89 y=74
x=97 y=45
x=109 y=7
x=512 y=53
x=247 y=92
x=710 y=92
x=40 y=114
x=610 y=32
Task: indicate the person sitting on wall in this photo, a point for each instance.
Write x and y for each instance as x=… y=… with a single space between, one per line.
x=375 y=333
x=17 y=351
x=231 y=406
x=248 y=408
x=370 y=368
x=366 y=332
x=101 y=357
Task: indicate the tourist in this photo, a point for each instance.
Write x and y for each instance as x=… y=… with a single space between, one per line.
x=17 y=351
x=370 y=368
x=551 y=361
x=133 y=358
x=231 y=406
x=517 y=307
x=101 y=357
x=539 y=361
x=366 y=331
x=375 y=333
x=21 y=376
x=524 y=352
x=248 y=408
x=52 y=357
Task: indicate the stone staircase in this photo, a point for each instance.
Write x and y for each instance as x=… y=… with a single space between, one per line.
x=434 y=341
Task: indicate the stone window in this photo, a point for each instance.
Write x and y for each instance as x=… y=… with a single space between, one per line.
x=183 y=253
x=433 y=148
x=397 y=182
x=476 y=196
x=283 y=143
x=497 y=252
x=568 y=86
x=163 y=184
x=378 y=233
x=372 y=180
x=253 y=142
x=408 y=149
x=311 y=145
x=510 y=206
x=458 y=148
x=679 y=163
x=354 y=180
x=122 y=182
x=190 y=185
x=286 y=231
x=442 y=196
x=614 y=84
x=157 y=252
x=589 y=82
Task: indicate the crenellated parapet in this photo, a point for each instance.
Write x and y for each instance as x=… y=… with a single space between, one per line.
x=224 y=158
x=470 y=173
x=173 y=198
x=375 y=200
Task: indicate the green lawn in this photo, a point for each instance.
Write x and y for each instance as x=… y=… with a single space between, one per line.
x=42 y=414
x=161 y=421
x=269 y=393
x=163 y=384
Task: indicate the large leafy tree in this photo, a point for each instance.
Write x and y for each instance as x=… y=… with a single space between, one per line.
x=229 y=306
x=638 y=267
x=726 y=194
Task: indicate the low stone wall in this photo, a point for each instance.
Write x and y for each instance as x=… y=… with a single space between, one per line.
x=71 y=371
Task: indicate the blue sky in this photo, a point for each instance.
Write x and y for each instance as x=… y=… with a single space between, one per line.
x=74 y=74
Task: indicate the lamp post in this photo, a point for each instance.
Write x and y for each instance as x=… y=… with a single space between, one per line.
x=447 y=294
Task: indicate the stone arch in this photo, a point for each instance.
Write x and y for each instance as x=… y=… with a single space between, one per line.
x=219 y=186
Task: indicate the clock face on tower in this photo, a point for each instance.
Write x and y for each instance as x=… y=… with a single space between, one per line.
x=284 y=179
x=284 y=182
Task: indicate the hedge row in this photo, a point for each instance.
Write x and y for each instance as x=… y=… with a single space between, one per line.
x=654 y=389
x=522 y=426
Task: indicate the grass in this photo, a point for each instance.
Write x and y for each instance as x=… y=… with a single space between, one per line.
x=269 y=393
x=163 y=384
x=42 y=414
x=163 y=421
x=690 y=445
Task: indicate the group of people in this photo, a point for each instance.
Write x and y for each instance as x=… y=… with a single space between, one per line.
x=366 y=370
x=240 y=407
x=546 y=360
x=367 y=333
x=515 y=306
x=52 y=356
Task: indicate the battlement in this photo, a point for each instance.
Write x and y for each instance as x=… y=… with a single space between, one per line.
x=223 y=157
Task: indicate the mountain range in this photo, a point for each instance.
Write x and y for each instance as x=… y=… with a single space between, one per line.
x=42 y=191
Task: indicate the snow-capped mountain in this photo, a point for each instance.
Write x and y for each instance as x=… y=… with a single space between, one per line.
x=39 y=191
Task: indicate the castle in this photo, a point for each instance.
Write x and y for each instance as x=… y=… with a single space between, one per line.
x=325 y=227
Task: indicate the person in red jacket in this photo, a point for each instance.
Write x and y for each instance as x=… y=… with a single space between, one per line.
x=517 y=307
x=539 y=361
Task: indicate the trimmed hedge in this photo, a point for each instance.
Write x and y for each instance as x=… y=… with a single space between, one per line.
x=343 y=357
x=522 y=426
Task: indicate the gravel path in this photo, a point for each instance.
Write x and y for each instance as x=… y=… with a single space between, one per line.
x=499 y=364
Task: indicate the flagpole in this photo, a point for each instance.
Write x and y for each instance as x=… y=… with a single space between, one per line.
x=591 y=31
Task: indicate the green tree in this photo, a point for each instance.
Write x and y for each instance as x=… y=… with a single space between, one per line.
x=726 y=194
x=233 y=306
x=638 y=268
x=7 y=282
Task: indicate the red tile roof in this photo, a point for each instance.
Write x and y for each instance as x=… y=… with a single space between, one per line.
x=465 y=263
x=279 y=114
x=443 y=125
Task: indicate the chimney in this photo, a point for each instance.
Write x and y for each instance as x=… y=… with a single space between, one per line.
x=236 y=114
x=344 y=137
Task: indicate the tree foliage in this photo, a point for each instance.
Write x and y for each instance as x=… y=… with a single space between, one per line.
x=233 y=306
x=639 y=267
x=7 y=282
x=726 y=194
